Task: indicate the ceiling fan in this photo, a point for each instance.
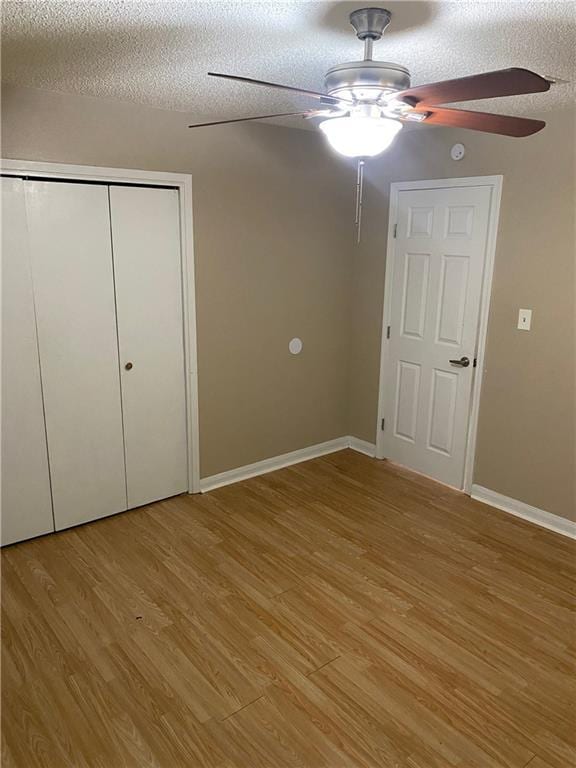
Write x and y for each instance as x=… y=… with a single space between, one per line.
x=366 y=102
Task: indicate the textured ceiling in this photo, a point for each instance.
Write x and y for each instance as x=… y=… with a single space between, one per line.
x=158 y=53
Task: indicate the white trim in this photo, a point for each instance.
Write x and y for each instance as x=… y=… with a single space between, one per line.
x=91 y=172
x=286 y=460
x=495 y=200
x=362 y=446
x=518 y=508
x=272 y=464
x=495 y=182
x=183 y=182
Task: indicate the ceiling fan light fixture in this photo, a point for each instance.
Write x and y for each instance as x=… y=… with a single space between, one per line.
x=360 y=136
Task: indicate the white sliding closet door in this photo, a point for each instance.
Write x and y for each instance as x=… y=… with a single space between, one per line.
x=69 y=228
x=26 y=500
x=148 y=272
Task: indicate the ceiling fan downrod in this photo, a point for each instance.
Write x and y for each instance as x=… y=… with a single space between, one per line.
x=370 y=24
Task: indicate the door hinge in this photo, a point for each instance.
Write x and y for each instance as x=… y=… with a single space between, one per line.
x=382 y=424
x=395 y=230
x=388 y=332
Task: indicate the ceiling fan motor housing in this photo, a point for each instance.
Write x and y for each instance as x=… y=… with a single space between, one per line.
x=366 y=79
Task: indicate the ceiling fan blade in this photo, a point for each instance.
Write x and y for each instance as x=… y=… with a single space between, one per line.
x=315 y=94
x=256 y=117
x=503 y=82
x=506 y=125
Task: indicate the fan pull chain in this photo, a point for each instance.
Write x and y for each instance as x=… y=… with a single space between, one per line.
x=359 y=196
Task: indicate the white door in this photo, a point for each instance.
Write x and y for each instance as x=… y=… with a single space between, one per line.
x=26 y=500
x=69 y=229
x=436 y=272
x=147 y=265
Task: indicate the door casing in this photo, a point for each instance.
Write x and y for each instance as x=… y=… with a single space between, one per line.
x=495 y=184
x=182 y=182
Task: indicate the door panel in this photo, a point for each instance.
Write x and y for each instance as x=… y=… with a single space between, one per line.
x=436 y=272
x=420 y=221
x=452 y=299
x=147 y=264
x=459 y=220
x=441 y=413
x=415 y=294
x=26 y=498
x=69 y=227
x=408 y=390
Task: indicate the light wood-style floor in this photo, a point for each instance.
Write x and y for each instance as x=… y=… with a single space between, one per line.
x=342 y=613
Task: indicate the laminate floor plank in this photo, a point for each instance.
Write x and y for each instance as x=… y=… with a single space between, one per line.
x=340 y=613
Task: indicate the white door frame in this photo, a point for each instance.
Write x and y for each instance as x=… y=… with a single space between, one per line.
x=495 y=184
x=183 y=182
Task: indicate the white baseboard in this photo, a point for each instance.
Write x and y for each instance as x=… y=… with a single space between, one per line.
x=369 y=449
x=275 y=462
x=520 y=509
x=285 y=460
x=513 y=506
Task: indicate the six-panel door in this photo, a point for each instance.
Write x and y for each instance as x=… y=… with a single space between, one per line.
x=438 y=264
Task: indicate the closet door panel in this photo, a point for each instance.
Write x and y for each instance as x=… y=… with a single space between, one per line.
x=147 y=266
x=26 y=500
x=72 y=271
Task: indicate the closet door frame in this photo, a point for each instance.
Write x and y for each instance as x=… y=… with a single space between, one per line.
x=183 y=183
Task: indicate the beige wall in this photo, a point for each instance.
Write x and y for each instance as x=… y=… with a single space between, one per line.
x=272 y=227
x=275 y=258
x=528 y=408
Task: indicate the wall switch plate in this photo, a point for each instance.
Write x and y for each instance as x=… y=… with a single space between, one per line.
x=524 y=319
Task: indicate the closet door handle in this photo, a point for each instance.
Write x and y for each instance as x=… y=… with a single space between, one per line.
x=128 y=366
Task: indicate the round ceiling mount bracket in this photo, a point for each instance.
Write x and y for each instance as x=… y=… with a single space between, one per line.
x=370 y=23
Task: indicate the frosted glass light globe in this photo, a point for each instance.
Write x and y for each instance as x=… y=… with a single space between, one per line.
x=360 y=136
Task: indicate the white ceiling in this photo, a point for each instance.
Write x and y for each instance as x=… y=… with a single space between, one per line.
x=158 y=53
